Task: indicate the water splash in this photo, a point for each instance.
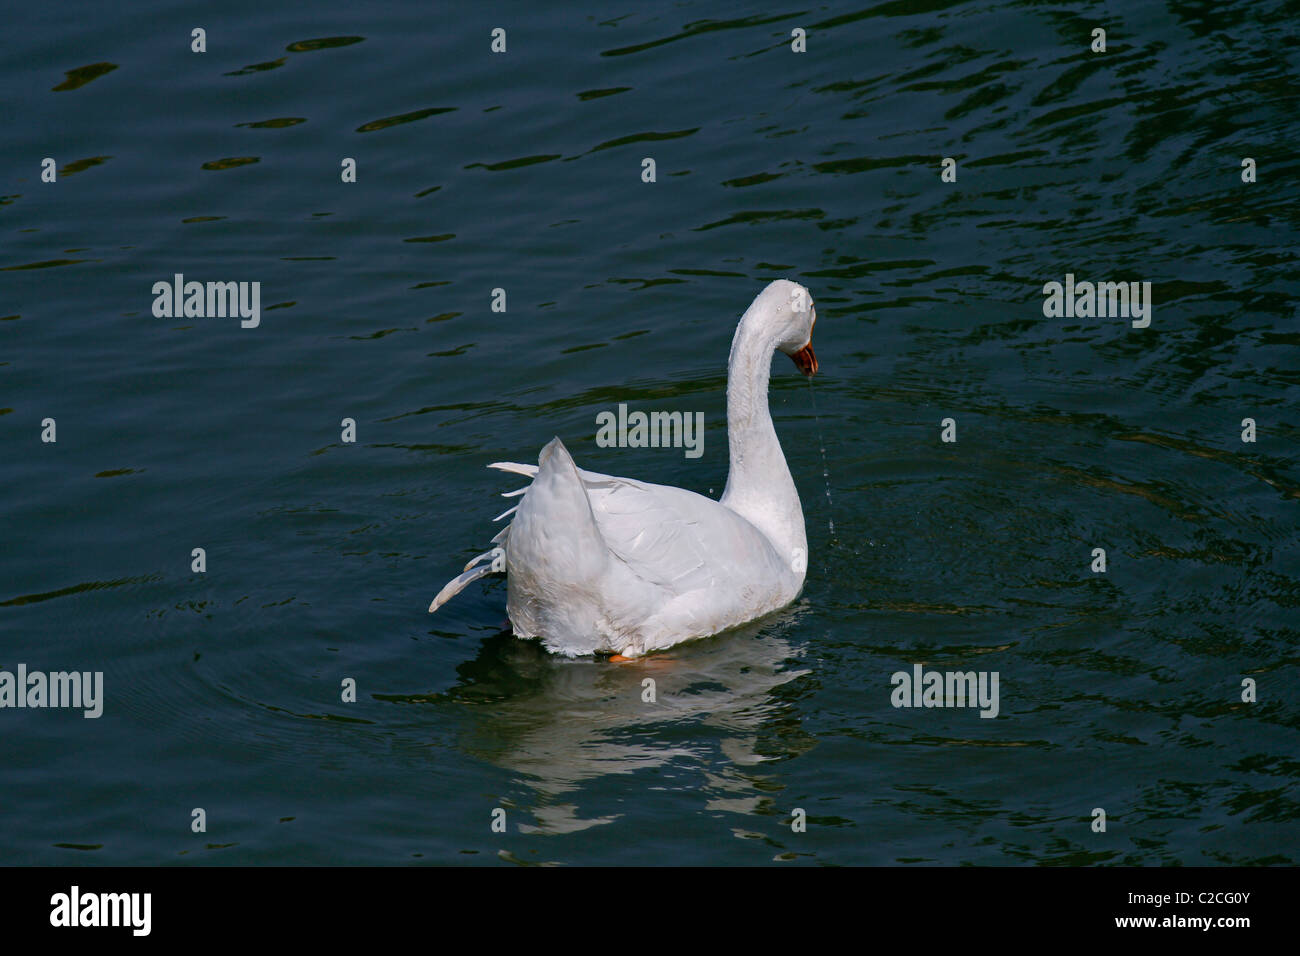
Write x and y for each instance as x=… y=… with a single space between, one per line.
x=821 y=441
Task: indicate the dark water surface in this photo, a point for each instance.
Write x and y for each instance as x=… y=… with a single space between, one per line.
x=522 y=171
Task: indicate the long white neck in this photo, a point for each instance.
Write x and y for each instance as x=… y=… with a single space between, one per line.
x=759 y=486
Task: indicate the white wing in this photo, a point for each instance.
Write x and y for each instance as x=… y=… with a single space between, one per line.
x=667 y=536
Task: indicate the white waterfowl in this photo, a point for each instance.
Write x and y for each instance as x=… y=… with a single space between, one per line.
x=601 y=565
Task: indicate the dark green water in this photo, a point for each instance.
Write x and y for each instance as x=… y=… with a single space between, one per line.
x=522 y=171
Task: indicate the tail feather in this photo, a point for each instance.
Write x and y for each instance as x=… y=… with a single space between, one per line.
x=458 y=584
x=528 y=471
x=476 y=568
x=478 y=559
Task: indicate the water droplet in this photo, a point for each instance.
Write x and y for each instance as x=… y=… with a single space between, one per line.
x=826 y=474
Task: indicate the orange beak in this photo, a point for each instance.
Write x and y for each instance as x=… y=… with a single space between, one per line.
x=806 y=359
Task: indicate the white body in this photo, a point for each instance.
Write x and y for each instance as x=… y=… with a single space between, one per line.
x=596 y=563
